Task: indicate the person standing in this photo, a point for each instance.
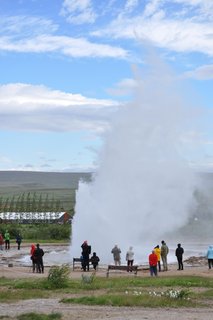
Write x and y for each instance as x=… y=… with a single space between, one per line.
x=7 y=240
x=1 y=241
x=38 y=256
x=153 y=262
x=164 y=254
x=130 y=259
x=210 y=256
x=86 y=250
x=179 y=254
x=19 y=240
x=116 y=255
x=32 y=257
x=158 y=253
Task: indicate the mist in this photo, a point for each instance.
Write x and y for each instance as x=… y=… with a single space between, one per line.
x=144 y=186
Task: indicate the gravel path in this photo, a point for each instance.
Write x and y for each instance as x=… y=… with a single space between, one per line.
x=80 y=312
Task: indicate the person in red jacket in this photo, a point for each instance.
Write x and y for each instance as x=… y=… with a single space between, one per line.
x=153 y=262
x=1 y=241
x=32 y=257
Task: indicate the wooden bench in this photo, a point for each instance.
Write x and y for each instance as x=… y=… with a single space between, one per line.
x=122 y=268
x=77 y=261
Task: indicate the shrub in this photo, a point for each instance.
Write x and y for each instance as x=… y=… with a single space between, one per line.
x=58 y=276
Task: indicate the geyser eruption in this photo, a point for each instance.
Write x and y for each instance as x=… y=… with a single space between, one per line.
x=143 y=187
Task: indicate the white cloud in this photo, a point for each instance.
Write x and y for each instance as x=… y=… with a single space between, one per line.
x=26 y=26
x=202 y=73
x=173 y=25
x=131 y=5
x=37 y=35
x=32 y=108
x=151 y=8
x=124 y=87
x=68 y=46
x=177 y=35
x=78 y=12
x=203 y=7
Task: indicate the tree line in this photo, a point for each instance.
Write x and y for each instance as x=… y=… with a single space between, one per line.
x=30 y=202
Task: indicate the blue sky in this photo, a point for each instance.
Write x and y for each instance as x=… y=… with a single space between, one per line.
x=67 y=67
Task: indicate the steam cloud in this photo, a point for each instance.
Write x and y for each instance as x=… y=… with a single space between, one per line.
x=144 y=187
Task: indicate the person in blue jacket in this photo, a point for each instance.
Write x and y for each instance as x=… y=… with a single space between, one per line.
x=210 y=256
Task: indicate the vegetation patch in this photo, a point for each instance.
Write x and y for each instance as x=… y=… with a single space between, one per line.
x=7 y=294
x=147 y=292
x=35 y=231
x=39 y=316
x=131 y=300
x=58 y=277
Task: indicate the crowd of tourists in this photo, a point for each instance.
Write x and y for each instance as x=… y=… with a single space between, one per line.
x=157 y=258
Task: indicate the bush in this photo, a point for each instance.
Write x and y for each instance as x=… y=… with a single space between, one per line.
x=58 y=277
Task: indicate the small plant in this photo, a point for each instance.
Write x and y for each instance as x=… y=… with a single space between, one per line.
x=177 y=294
x=134 y=293
x=173 y=294
x=58 y=276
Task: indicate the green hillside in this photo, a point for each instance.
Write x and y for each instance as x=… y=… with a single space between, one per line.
x=24 y=190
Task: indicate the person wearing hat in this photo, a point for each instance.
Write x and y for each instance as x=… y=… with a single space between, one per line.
x=86 y=251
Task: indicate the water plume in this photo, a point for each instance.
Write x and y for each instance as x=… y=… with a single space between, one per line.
x=143 y=187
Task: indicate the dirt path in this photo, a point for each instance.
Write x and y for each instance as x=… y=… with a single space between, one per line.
x=80 y=312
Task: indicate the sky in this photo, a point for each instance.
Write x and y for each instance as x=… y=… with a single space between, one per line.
x=68 y=66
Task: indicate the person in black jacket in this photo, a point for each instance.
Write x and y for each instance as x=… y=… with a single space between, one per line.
x=95 y=260
x=86 y=250
x=179 y=254
x=19 y=240
x=38 y=257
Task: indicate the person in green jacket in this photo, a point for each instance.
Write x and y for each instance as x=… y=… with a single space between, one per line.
x=7 y=240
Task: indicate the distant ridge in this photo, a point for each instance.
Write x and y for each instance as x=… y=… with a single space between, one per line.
x=40 y=180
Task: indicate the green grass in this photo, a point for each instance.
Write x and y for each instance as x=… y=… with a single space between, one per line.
x=39 y=316
x=7 y=294
x=131 y=300
x=208 y=294
x=138 y=291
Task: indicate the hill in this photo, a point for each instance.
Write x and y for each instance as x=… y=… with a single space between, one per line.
x=58 y=186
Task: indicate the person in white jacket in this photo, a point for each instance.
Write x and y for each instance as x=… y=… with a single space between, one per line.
x=130 y=259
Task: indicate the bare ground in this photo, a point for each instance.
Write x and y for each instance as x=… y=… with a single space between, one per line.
x=194 y=267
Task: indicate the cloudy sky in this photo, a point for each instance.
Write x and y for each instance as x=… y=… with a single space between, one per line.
x=67 y=67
